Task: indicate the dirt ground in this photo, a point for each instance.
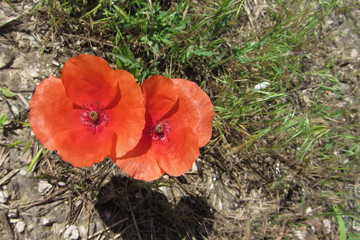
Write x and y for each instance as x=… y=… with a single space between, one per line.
x=57 y=201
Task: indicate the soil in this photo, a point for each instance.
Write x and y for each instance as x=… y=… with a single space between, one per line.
x=54 y=200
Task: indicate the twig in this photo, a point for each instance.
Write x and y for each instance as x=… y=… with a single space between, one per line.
x=108 y=228
x=92 y=40
x=48 y=199
x=89 y=220
x=3 y=156
x=8 y=176
x=23 y=100
x=132 y=213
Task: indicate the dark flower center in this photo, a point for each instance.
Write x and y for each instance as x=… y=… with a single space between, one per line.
x=159 y=131
x=93 y=117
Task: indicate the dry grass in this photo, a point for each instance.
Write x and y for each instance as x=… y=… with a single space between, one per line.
x=283 y=162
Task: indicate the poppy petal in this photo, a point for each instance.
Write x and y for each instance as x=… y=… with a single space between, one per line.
x=87 y=79
x=177 y=155
x=83 y=148
x=191 y=94
x=140 y=163
x=159 y=96
x=127 y=117
x=51 y=112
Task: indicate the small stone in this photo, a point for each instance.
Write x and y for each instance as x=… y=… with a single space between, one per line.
x=55 y=63
x=30 y=227
x=356 y=226
x=34 y=73
x=4 y=196
x=7 y=56
x=197 y=166
x=45 y=222
x=61 y=184
x=262 y=85
x=13 y=213
x=82 y=230
x=14 y=220
x=71 y=233
x=354 y=53
x=44 y=187
x=327 y=226
x=15 y=110
x=20 y=226
x=308 y=211
x=24 y=45
x=138 y=195
x=78 y=203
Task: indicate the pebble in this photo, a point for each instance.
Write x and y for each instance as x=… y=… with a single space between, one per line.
x=7 y=55
x=15 y=110
x=20 y=226
x=4 y=196
x=300 y=234
x=138 y=195
x=14 y=220
x=45 y=222
x=30 y=227
x=356 y=226
x=44 y=187
x=262 y=85
x=61 y=184
x=55 y=63
x=354 y=53
x=78 y=203
x=34 y=73
x=82 y=230
x=197 y=166
x=308 y=211
x=13 y=213
x=71 y=233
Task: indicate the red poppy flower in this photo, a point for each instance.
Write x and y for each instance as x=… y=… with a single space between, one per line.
x=92 y=112
x=178 y=121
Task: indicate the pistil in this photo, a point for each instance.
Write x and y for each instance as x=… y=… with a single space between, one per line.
x=93 y=117
x=159 y=131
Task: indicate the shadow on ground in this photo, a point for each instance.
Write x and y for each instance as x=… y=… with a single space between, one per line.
x=132 y=208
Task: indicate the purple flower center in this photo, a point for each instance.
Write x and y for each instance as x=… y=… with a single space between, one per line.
x=159 y=131
x=93 y=117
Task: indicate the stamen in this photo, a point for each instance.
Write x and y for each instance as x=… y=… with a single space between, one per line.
x=93 y=117
x=159 y=128
x=159 y=131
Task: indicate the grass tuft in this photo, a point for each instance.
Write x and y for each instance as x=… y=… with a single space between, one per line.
x=285 y=147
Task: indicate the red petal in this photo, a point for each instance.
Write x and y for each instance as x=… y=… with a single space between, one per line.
x=194 y=99
x=140 y=163
x=87 y=79
x=159 y=96
x=177 y=155
x=82 y=148
x=127 y=117
x=51 y=112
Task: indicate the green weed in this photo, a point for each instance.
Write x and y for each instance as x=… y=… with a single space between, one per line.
x=258 y=61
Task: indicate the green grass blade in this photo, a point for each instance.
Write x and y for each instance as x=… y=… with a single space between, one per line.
x=36 y=159
x=14 y=144
x=342 y=228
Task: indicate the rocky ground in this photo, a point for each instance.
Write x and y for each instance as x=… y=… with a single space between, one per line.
x=53 y=200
